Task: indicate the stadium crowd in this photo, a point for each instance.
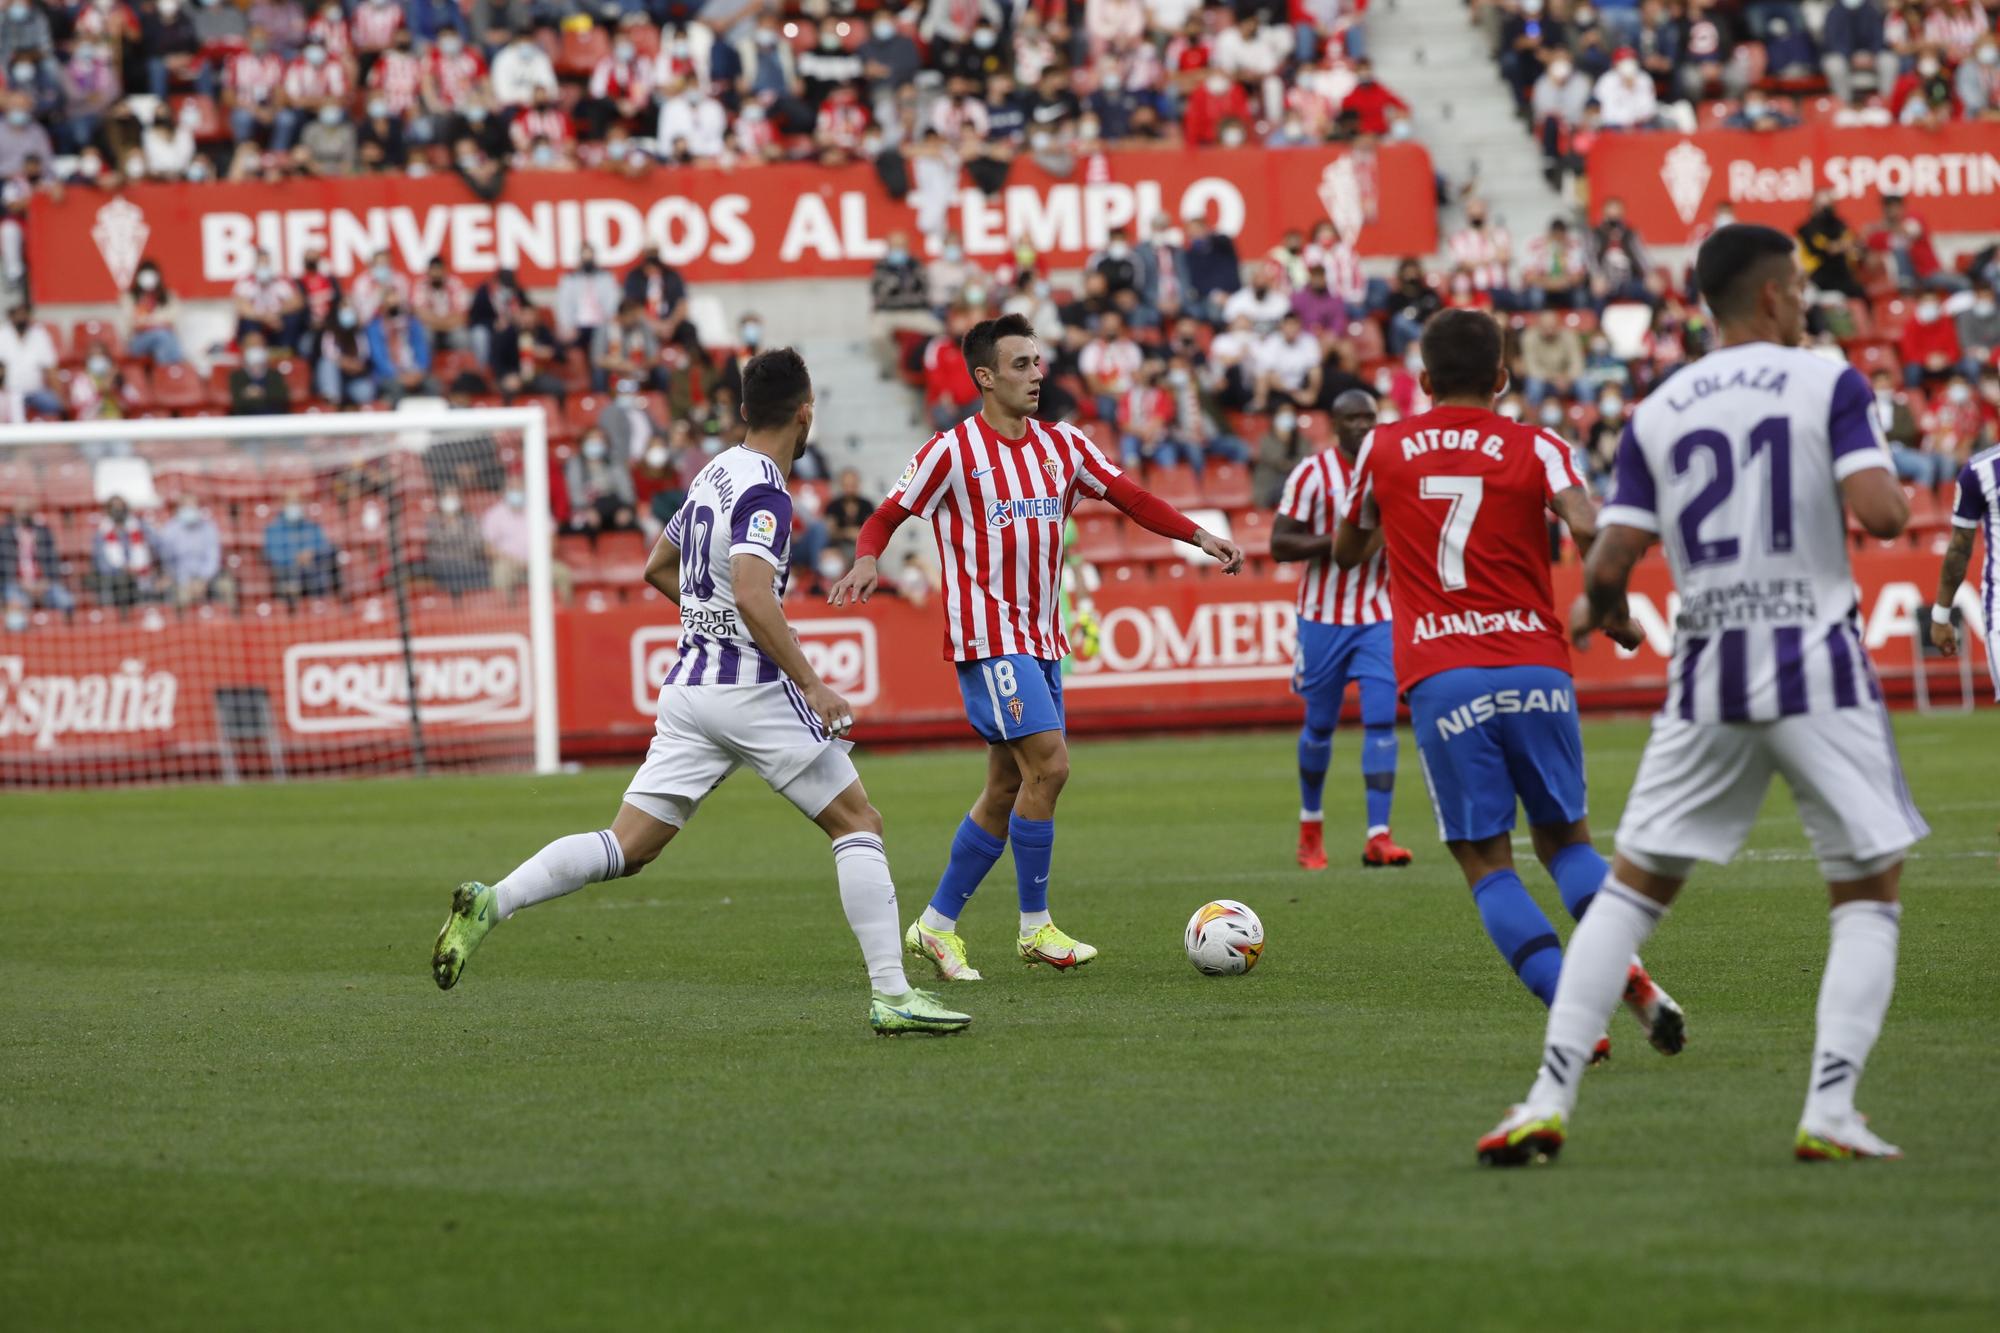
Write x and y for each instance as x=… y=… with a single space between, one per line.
x=1175 y=350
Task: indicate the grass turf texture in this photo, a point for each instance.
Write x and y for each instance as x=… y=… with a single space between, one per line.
x=231 y=1097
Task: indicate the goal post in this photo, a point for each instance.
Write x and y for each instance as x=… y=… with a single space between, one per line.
x=321 y=594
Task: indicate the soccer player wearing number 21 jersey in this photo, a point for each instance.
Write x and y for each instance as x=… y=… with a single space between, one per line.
x=1461 y=495
x=998 y=489
x=1740 y=466
x=741 y=694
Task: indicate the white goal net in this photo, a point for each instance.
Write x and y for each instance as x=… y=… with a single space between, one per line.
x=206 y=599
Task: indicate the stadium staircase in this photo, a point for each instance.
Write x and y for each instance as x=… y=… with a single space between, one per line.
x=1428 y=53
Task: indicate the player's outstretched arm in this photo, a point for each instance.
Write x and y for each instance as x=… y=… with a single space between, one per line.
x=1578 y=512
x=1607 y=573
x=663 y=567
x=862 y=578
x=757 y=603
x=1876 y=500
x=1155 y=515
x=1352 y=543
x=1957 y=555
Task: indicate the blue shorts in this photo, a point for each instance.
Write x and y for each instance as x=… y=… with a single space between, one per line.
x=1009 y=697
x=1329 y=656
x=1487 y=735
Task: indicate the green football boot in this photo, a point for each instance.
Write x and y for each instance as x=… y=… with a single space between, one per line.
x=918 y=1011
x=473 y=912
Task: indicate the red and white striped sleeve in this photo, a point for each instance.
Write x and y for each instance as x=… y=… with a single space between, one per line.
x=1558 y=472
x=1302 y=494
x=1094 y=472
x=927 y=480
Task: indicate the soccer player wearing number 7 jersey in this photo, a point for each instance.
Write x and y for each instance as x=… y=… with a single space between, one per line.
x=1741 y=466
x=1461 y=495
x=998 y=489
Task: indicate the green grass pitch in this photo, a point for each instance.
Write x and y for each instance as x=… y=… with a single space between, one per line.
x=231 y=1097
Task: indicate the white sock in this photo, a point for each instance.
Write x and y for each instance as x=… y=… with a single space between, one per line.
x=564 y=866
x=868 y=896
x=1594 y=968
x=934 y=920
x=1853 y=997
x=1032 y=922
x=1311 y=816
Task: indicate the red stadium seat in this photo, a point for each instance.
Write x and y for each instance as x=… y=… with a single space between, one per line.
x=86 y=331
x=177 y=388
x=297 y=377
x=1176 y=485
x=1226 y=486
x=1100 y=538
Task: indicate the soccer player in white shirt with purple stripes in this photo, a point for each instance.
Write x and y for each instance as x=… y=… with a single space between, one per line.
x=1741 y=466
x=741 y=694
x=1975 y=508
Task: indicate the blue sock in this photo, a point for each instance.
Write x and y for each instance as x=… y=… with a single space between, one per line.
x=1034 y=846
x=973 y=852
x=1378 y=773
x=1520 y=932
x=1579 y=873
x=1315 y=752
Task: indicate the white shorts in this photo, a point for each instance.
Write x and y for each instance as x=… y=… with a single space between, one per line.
x=706 y=732
x=1700 y=786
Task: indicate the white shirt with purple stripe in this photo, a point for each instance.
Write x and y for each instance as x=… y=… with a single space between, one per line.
x=737 y=505
x=1735 y=463
x=1977 y=505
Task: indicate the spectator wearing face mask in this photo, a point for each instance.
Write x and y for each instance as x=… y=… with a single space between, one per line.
x=343 y=371
x=586 y=300
x=1979 y=328
x=521 y=69
x=300 y=556
x=190 y=551
x=30 y=567
x=662 y=293
x=658 y=487
x=1217 y=101
x=1788 y=47
x=314 y=83
x=1977 y=81
x=628 y=428
x=256 y=389
x=1929 y=345
x=1284 y=446
x=1924 y=94
x=1263 y=301
x=1904 y=243
x=122 y=556
x=443 y=304
x=269 y=304
x=99 y=392
x=1625 y=95
x=505 y=528
x=454 y=547
x=330 y=145
x=600 y=489
x=399 y=349
x=150 y=313
x=1551 y=358
x=621 y=88
x=899 y=297
x=1831 y=249
x=1899 y=427
x=29 y=354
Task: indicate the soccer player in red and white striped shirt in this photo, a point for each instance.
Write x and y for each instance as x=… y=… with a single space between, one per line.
x=1343 y=635
x=998 y=489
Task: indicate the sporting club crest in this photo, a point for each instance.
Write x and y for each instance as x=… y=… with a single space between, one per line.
x=1685 y=173
x=121 y=234
x=1054 y=469
x=1014 y=710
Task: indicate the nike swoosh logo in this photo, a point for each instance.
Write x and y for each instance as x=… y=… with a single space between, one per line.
x=982 y=472
x=1041 y=879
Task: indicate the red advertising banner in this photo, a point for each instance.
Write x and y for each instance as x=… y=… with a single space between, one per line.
x=783 y=221
x=1197 y=652
x=1673 y=183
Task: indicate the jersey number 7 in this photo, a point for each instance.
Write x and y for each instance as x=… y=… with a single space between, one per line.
x=1464 y=494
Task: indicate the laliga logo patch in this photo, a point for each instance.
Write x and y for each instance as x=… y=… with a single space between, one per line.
x=1014 y=710
x=909 y=475
x=764 y=527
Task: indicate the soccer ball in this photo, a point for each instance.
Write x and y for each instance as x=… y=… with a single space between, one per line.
x=1224 y=939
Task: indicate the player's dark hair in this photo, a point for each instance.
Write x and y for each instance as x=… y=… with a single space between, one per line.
x=1734 y=261
x=774 y=384
x=982 y=341
x=1462 y=350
